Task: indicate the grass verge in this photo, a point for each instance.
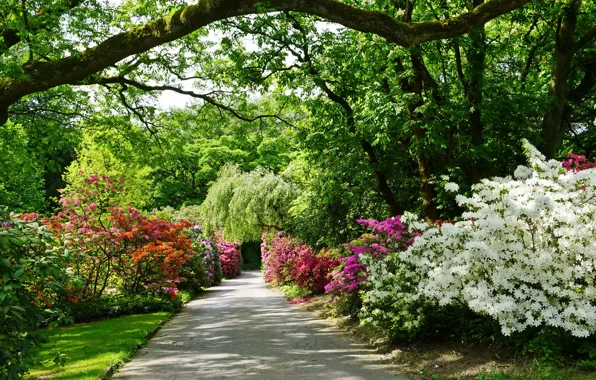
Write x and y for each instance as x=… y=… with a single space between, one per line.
x=93 y=347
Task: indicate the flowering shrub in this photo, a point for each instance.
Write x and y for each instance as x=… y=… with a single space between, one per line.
x=230 y=257
x=312 y=270
x=576 y=163
x=351 y=275
x=111 y=241
x=290 y=261
x=277 y=254
x=522 y=253
x=204 y=269
x=32 y=278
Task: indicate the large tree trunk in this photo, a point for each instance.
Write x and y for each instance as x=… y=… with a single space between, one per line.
x=556 y=120
x=423 y=81
x=382 y=183
x=476 y=57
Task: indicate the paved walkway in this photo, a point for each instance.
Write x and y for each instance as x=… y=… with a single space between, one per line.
x=242 y=330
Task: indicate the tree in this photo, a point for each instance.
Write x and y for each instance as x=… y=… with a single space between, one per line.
x=193 y=149
x=244 y=205
x=94 y=158
x=21 y=177
x=52 y=59
x=453 y=108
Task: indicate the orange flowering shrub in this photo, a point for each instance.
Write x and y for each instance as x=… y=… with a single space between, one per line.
x=116 y=247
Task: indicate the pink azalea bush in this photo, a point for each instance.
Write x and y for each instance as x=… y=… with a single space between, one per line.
x=576 y=163
x=277 y=253
x=230 y=257
x=288 y=260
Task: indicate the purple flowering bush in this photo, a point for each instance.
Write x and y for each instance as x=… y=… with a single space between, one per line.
x=204 y=268
x=350 y=277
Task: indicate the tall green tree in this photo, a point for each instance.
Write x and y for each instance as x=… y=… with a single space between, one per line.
x=21 y=177
x=243 y=205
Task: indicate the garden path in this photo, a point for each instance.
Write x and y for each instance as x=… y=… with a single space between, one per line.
x=243 y=330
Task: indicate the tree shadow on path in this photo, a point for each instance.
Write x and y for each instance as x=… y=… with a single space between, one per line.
x=243 y=330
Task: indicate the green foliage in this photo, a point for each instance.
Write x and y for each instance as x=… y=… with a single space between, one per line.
x=244 y=205
x=194 y=149
x=32 y=274
x=21 y=176
x=294 y=291
x=93 y=158
x=191 y=214
x=115 y=306
x=251 y=255
x=194 y=273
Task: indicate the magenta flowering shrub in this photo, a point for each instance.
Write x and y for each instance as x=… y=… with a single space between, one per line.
x=230 y=257
x=288 y=260
x=576 y=163
x=350 y=277
x=277 y=254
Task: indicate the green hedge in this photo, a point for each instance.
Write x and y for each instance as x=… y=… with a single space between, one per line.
x=110 y=307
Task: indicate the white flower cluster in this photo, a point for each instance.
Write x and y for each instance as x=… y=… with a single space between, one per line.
x=523 y=253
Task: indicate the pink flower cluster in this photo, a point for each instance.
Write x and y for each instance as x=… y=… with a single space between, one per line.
x=230 y=257
x=290 y=261
x=578 y=163
x=351 y=275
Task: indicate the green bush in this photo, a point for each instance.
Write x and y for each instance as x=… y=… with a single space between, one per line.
x=114 y=306
x=193 y=275
x=32 y=275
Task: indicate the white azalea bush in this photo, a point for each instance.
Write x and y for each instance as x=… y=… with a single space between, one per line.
x=524 y=253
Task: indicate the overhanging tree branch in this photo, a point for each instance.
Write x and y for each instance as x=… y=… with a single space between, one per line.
x=40 y=76
x=9 y=37
x=205 y=97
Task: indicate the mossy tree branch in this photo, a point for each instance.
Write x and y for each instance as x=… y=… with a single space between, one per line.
x=41 y=76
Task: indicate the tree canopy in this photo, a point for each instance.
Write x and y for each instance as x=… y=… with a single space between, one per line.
x=373 y=104
x=100 y=36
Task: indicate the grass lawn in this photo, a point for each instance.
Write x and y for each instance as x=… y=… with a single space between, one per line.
x=93 y=347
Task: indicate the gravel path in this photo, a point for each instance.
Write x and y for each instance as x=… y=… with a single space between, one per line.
x=243 y=330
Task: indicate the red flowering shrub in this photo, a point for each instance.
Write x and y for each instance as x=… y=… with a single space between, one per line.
x=289 y=261
x=312 y=271
x=229 y=256
x=578 y=163
x=115 y=246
